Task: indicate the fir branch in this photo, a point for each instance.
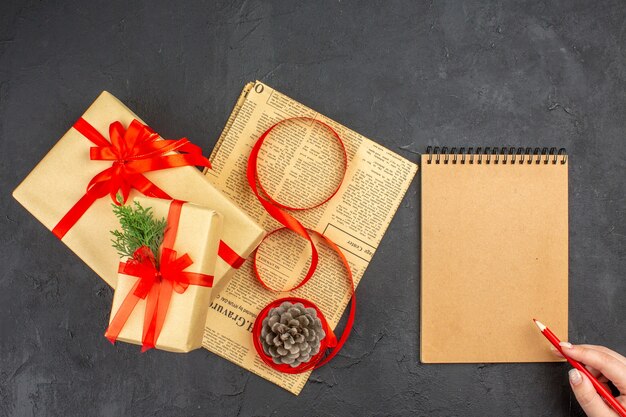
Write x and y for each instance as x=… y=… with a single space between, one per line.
x=139 y=228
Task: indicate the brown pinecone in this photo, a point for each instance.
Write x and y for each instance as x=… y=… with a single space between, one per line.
x=291 y=334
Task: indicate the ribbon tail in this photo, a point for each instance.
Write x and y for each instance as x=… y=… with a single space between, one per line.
x=148 y=340
x=122 y=314
x=147 y=187
x=165 y=296
x=169 y=161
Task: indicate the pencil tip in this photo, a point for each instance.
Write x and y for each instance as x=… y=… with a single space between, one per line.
x=539 y=324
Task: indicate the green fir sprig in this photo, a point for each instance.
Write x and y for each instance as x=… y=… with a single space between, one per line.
x=139 y=228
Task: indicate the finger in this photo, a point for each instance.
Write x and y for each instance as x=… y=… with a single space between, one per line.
x=607 y=351
x=587 y=397
x=599 y=377
x=610 y=367
x=593 y=371
x=597 y=374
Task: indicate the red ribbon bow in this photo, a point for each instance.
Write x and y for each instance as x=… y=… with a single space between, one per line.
x=155 y=285
x=133 y=152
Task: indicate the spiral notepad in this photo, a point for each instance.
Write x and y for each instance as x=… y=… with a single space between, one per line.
x=494 y=253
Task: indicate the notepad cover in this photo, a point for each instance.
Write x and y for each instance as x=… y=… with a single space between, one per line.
x=494 y=256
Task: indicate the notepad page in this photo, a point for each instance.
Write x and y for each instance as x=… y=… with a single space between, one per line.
x=494 y=256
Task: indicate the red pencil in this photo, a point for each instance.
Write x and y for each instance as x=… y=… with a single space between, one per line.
x=605 y=393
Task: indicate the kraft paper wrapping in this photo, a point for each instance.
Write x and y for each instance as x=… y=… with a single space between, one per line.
x=199 y=231
x=61 y=179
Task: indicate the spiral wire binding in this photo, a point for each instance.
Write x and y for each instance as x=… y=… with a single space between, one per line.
x=496 y=155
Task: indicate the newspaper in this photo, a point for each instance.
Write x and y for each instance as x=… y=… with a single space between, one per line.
x=300 y=164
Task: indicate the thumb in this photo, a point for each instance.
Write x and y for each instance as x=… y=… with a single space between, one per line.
x=587 y=397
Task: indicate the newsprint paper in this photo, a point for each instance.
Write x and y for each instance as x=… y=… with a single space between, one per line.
x=300 y=164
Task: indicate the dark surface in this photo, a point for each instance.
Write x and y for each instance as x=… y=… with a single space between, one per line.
x=407 y=74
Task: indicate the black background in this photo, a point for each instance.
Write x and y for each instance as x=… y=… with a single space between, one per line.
x=406 y=74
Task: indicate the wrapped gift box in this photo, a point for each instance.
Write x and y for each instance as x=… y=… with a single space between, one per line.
x=197 y=235
x=61 y=178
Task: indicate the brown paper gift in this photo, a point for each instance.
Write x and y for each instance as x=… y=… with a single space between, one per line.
x=61 y=178
x=198 y=236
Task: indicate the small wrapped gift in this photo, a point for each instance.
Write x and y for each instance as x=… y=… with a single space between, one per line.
x=110 y=150
x=162 y=300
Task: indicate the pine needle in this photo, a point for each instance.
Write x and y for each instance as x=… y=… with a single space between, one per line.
x=139 y=228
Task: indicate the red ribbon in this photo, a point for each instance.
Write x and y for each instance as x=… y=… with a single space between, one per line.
x=155 y=285
x=276 y=210
x=229 y=255
x=133 y=152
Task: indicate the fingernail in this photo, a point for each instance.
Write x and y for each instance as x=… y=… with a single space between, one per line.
x=556 y=351
x=574 y=377
x=566 y=345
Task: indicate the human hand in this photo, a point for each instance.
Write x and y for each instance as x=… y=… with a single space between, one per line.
x=604 y=364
